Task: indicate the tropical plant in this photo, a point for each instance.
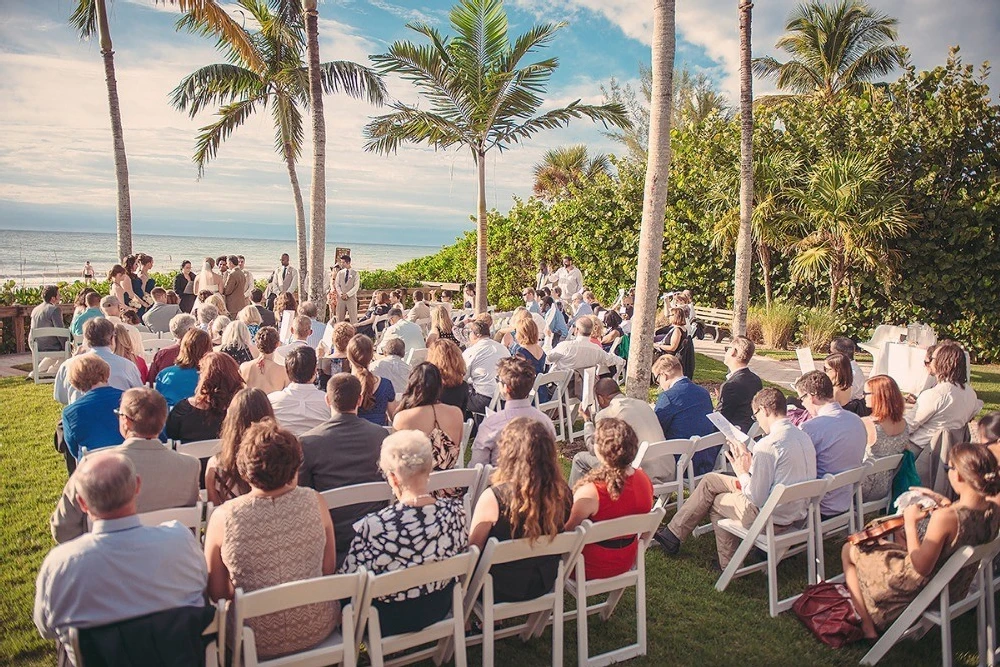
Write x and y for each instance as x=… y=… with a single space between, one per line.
x=845 y=215
x=834 y=48
x=819 y=327
x=565 y=166
x=654 y=202
x=744 y=241
x=481 y=96
x=777 y=323
x=241 y=88
x=90 y=17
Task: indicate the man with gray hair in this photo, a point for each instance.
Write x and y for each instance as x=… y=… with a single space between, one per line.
x=580 y=353
x=207 y=313
x=410 y=333
x=301 y=329
x=99 y=334
x=121 y=569
x=317 y=328
x=167 y=356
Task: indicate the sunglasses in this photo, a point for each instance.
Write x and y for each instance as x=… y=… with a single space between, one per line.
x=122 y=413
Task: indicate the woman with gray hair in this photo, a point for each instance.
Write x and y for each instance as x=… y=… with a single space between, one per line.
x=237 y=343
x=416 y=529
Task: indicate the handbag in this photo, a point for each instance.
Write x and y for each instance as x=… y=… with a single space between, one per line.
x=827 y=610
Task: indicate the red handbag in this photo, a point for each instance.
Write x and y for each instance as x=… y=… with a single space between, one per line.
x=827 y=610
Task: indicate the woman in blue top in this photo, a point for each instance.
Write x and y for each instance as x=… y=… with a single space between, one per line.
x=178 y=382
x=526 y=345
x=90 y=421
x=377 y=395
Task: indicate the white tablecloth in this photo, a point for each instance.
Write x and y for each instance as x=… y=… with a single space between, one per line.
x=904 y=364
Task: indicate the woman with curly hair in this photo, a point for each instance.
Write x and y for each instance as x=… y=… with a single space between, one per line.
x=222 y=479
x=200 y=417
x=377 y=394
x=529 y=499
x=612 y=490
x=264 y=372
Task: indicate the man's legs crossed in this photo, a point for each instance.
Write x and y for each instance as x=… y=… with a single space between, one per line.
x=583 y=463
x=700 y=504
x=737 y=506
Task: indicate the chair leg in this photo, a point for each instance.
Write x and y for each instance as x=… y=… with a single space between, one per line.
x=557 y=619
x=946 y=657
x=582 y=647
x=375 y=639
x=488 y=629
x=461 y=659
x=640 y=606
x=611 y=603
x=347 y=632
x=772 y=584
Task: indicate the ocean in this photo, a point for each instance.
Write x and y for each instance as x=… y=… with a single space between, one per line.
x=32 y=258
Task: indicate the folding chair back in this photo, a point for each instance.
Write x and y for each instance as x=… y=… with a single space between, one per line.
x=202 y=449
x=875 y=467
x=755 y=431
x=701 y=443
x=495 y=401
x=416 y=356
x=463 y=447
x=558 y=382
x=356 y=494
x=37 y=355
x=845 y=521
x=189 y=517
x=682 y=448
x=463 y=478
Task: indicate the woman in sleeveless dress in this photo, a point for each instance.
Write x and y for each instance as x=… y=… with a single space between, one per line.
x=888 y=433
x=442 y=327
x=378 y=398
x=526 y=346
x=222 y=478
x=885 y=577
x=264 y=372
x=421 y=410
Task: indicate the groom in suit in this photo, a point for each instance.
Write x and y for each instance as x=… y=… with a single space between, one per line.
x=347 y=284
x=234 y=289
x=283 y=279
x=741 y=385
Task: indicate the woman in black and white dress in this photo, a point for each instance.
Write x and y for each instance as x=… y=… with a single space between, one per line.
x=416 y=529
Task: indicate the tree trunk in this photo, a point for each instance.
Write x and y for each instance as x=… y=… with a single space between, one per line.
x=654 y=202
x=300 y=217
x=836 y=280
x=765 y=267
x=482 y=302
x=744 y=241
x=317 y=197
x=124 y=217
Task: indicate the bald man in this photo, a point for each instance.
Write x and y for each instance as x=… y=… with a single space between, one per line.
x=121 y=569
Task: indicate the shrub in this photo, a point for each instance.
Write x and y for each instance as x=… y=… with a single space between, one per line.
x=819 y=327
x=755 y=331
x=778 y=323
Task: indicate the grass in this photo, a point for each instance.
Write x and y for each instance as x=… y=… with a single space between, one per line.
x=689 y=622
x=789 y=355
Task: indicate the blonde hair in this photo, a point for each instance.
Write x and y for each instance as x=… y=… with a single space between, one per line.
x=407 y=454
x=666 y=365
x=250 y=315
x=219 y=303
x=526 y=330
x=87 y=371
x=123 y=343
x=598 y=330
x=448 y=358
x=236 y=334
x=441 y=320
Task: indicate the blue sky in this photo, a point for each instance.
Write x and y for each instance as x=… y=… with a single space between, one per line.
x=56 y=169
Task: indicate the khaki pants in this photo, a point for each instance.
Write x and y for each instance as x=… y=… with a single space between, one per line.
x=717 y=497
x=349 y=307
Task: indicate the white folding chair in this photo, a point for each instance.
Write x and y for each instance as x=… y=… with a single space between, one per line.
x=192 y=518
x=847 y=520
x=874 y=467
x=415 y=356
x=446 y=633
x=494 y=405
x=463 y=447
x=765 y=535
x=642 y=526
x=682 y=448
x=566 y=546
x=356 y=494
x=456 y=478
x=201 y=449
x=920 y=615
x=573 y=403
x=379 y=325
x=339 y=647
x=557 y=381
x=37 y=355
x=755 y=431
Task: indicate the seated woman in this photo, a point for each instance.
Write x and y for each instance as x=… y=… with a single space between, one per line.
x=596 y=330
x=989 y=432
x=378 y=307
x=285 y=301
x=222 y=477
x=612 y=329
x=123 y=348
x=91 y=420
x=529 y=498
x=200 y=417
x=377 y=395
x=250 y=316
x=277 y=533
x=614 y=489
x=442 y=327
x=527 y=346
x=418 y=528
x=885 y=577
x=264 y=372
x=131 y=316
x=448 y=358
x=236 y=342
x=220 y=305
x=330 y=362
x=888 y=433
x=675 y=340
x=219 y=325
x=421 y=410
x=179 y=381
x=950 y=404
x=838 y=368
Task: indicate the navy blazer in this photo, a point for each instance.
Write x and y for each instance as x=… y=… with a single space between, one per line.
x=683 y=412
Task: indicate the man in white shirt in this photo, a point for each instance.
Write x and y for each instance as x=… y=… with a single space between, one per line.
x=635 y=413
x=99 y=334
x=301 y=330
x=392 y=367
x=411 y=334
x=786 y=456
x=300 y=406
x=569 y=278
x=481 y=358
x=347 y=284
x=283 y=279
x=580 y=353
x=420 y=311
x=316 y=328
x=516 y=378
x=112 y=309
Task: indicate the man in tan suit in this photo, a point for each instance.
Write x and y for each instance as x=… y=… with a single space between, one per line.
x=347 y=284
x=169 y=479
x=234 y=289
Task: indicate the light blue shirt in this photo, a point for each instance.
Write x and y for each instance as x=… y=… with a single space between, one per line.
x=77 y=326
x=124 y=376
x=532 y=307
x=582 y=311
x=785 y=456
x=556 y=321
x=840 y=438
x=119 y=570
x=484 y=449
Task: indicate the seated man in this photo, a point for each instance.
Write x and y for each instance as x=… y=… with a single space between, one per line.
x=316 y=328
x=122 y=569
x=579 y=353
x=170 y=479
x=166 y=357
x=47 y=315
x=682 y=408
x=741 y=384
x=392 y=367
x=785 y=456
x=341 y=451
x=93 y=310
x=301 y=331
x=635 y=413
x=481 y=359
x=407 y=331
x=99 y=334
x=267 y=318
x=839 y=437
x=158 y=317
x=515 y=377
x=90 y=421
x=420 y=311
x=300 y=406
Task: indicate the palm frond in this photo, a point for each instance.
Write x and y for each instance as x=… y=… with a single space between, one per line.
x=84 y=18
x=355 y=80
x=384 y=134
x=212 y=19
x=210 y=137
x=608 y=114
x=288 y=125
x=215 y=84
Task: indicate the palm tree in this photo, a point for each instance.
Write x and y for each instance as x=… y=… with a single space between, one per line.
x=744 y=243
x=565 y=166
x=91 y=16
x=845 y=215
x=654 y=202
x=317 y=193
x=480 y=95
x=241 y=89
x=834 y=49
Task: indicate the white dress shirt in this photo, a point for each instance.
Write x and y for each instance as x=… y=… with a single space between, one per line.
x=785 y=456
x=943 y=406
x=299 y=407
x=393 y=369
x=580 y=353
x=481 y=361
x=124 y=375
x=484 y=448
x=408 y=332
x=570 y=280
x=858 y=387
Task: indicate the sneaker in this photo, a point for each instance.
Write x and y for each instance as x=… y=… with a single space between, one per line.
x=668 y=541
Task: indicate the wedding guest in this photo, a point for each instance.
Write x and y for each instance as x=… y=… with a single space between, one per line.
x=421 y=409
x=420 y=310
x=121 y=285
x=218 y=328
x=179 y=381
x=200 y=417
x=555 y=321
x=530 y=300
x=167 y=356
x=400 y=329
x=741 y=385
x=433 y=528
x=99 y=337
x=347 y=284
x=267 y=318
x=300 y=406
x=377 y=394
x=317 y=328
x=131 y=318
x=92 y=310
x=46 y=315
x=838 y=368
x=250 y=316
x=378 y=307
x=123 y=348
x=264 y=372
x=442 y=327
x=612 y=329
x=391 y=366
x=158 y=317
x=300 y=330
x=682 y=408
x=237 y=343
x=526 y=346
x=275 y=534
x=222 y=477
x=888 y=433
x=676 y=341
x=581 y=353
x=284 y=279
x=481 y=358
x=569 y=278
x=528 y=499
x=846 y=347
x=173 y=299
x=612 y=490
x=90 y=422
x=515 y=377
x=470 y=296
x=448 y=358
x=184 y=286
x=335 y=361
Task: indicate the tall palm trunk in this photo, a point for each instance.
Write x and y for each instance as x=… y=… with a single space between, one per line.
x=654 y=202
x=300 y=217
x=481 y=297
x=744 y=242
x=765 y=267
x=124 y=217
x=317 y=227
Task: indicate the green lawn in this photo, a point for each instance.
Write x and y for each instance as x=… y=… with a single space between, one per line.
x=689 y=622
x=789 y=355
